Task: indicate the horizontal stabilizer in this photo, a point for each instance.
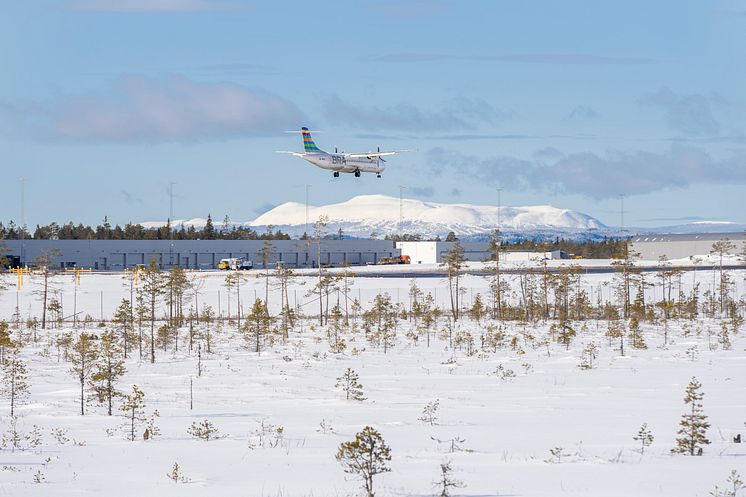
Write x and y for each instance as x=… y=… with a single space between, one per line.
x=291 y=153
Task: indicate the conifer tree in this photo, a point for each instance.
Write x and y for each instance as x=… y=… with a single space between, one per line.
x=257 y=324
x=44 y=263
x=446 y=482
x=477 y=309
x=5 y=340
x=454 y=262
x=132 y=407
x=151 y=288
x=496 y=287
x=338 y=344
x=264 y=255
x=123 y=318
x=735 y=485
x=177 y=283
x=350 y=385
x=208 y=233
x=109 y=368
x=287 y=315
x=366 y=456
x=14 y=380
x=83 y=358
x=693 y=424
x=720 y=248
x=637 y=341
x=644 y=437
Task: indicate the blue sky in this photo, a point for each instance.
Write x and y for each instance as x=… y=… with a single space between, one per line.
x=103 y=102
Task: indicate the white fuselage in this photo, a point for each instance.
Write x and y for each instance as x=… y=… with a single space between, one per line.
x=344 y=163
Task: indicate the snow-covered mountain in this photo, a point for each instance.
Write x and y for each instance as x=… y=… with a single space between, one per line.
x=366 y=214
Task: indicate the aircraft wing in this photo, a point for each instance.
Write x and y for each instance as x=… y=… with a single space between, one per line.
x=378 y=154
x=291 y=153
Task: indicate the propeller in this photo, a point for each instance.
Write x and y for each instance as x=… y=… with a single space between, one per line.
x=380 y=158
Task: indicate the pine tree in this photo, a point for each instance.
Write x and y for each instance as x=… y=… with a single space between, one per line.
x=208 y=233
x=366 y=456
x=350 y=385
x=637 y=341
x=477 y=309
x=132 y=407
x=338 y=343
x=446 y=482
x=257 y=324
x=735 y=484
x=14 y=380
x=109 y=368
x=152 y=287
x=644 y=436
x=83 y=357
x=5 y=341
x=204 y=430
x=123 y=318
x=721 y=248
x=693 y=425
x=429 y=413
x=45 y=264
x=454 y=262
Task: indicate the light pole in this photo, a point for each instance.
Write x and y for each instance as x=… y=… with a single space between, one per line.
x=499 y=207
x=23 y=221
x=401 y=208
x=170 y=221
x=308 y=187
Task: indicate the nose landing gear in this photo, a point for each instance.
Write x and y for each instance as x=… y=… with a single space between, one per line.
x=336 y=174
x=357 y=173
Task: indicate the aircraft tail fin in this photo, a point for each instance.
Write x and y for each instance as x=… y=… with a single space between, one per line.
x=308 y=143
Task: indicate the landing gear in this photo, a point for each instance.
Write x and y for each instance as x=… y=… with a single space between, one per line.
x=357 y=173
x=378 y=175
x=336 y=174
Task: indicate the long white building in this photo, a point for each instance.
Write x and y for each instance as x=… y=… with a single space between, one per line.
x=197 y=254
x=651 y=247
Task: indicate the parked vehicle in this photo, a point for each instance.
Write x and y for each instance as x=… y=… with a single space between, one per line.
x=402 y=259
x=234 y=264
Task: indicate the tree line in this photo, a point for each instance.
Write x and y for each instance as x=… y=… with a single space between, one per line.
x=136 y=231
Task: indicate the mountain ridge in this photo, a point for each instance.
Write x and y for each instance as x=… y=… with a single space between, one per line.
x=364 y=216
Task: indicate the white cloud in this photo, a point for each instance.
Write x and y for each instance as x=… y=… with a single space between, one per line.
x=139 y=109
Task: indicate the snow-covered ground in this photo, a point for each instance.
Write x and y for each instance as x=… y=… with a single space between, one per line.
x=508 y=425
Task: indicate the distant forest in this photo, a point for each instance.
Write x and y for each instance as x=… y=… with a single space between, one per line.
x=604 y=248
x=105 y=231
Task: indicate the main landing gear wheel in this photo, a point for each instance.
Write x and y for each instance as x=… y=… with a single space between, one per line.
x=357 y=174
x=336 y=174
x=378 y=175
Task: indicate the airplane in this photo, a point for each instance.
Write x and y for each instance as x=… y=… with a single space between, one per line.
x=364 y=162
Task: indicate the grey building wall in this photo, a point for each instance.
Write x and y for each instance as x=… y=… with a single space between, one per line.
x=651 y=247
x=199 y=254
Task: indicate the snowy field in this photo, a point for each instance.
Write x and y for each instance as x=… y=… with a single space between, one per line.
x=504 y=408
